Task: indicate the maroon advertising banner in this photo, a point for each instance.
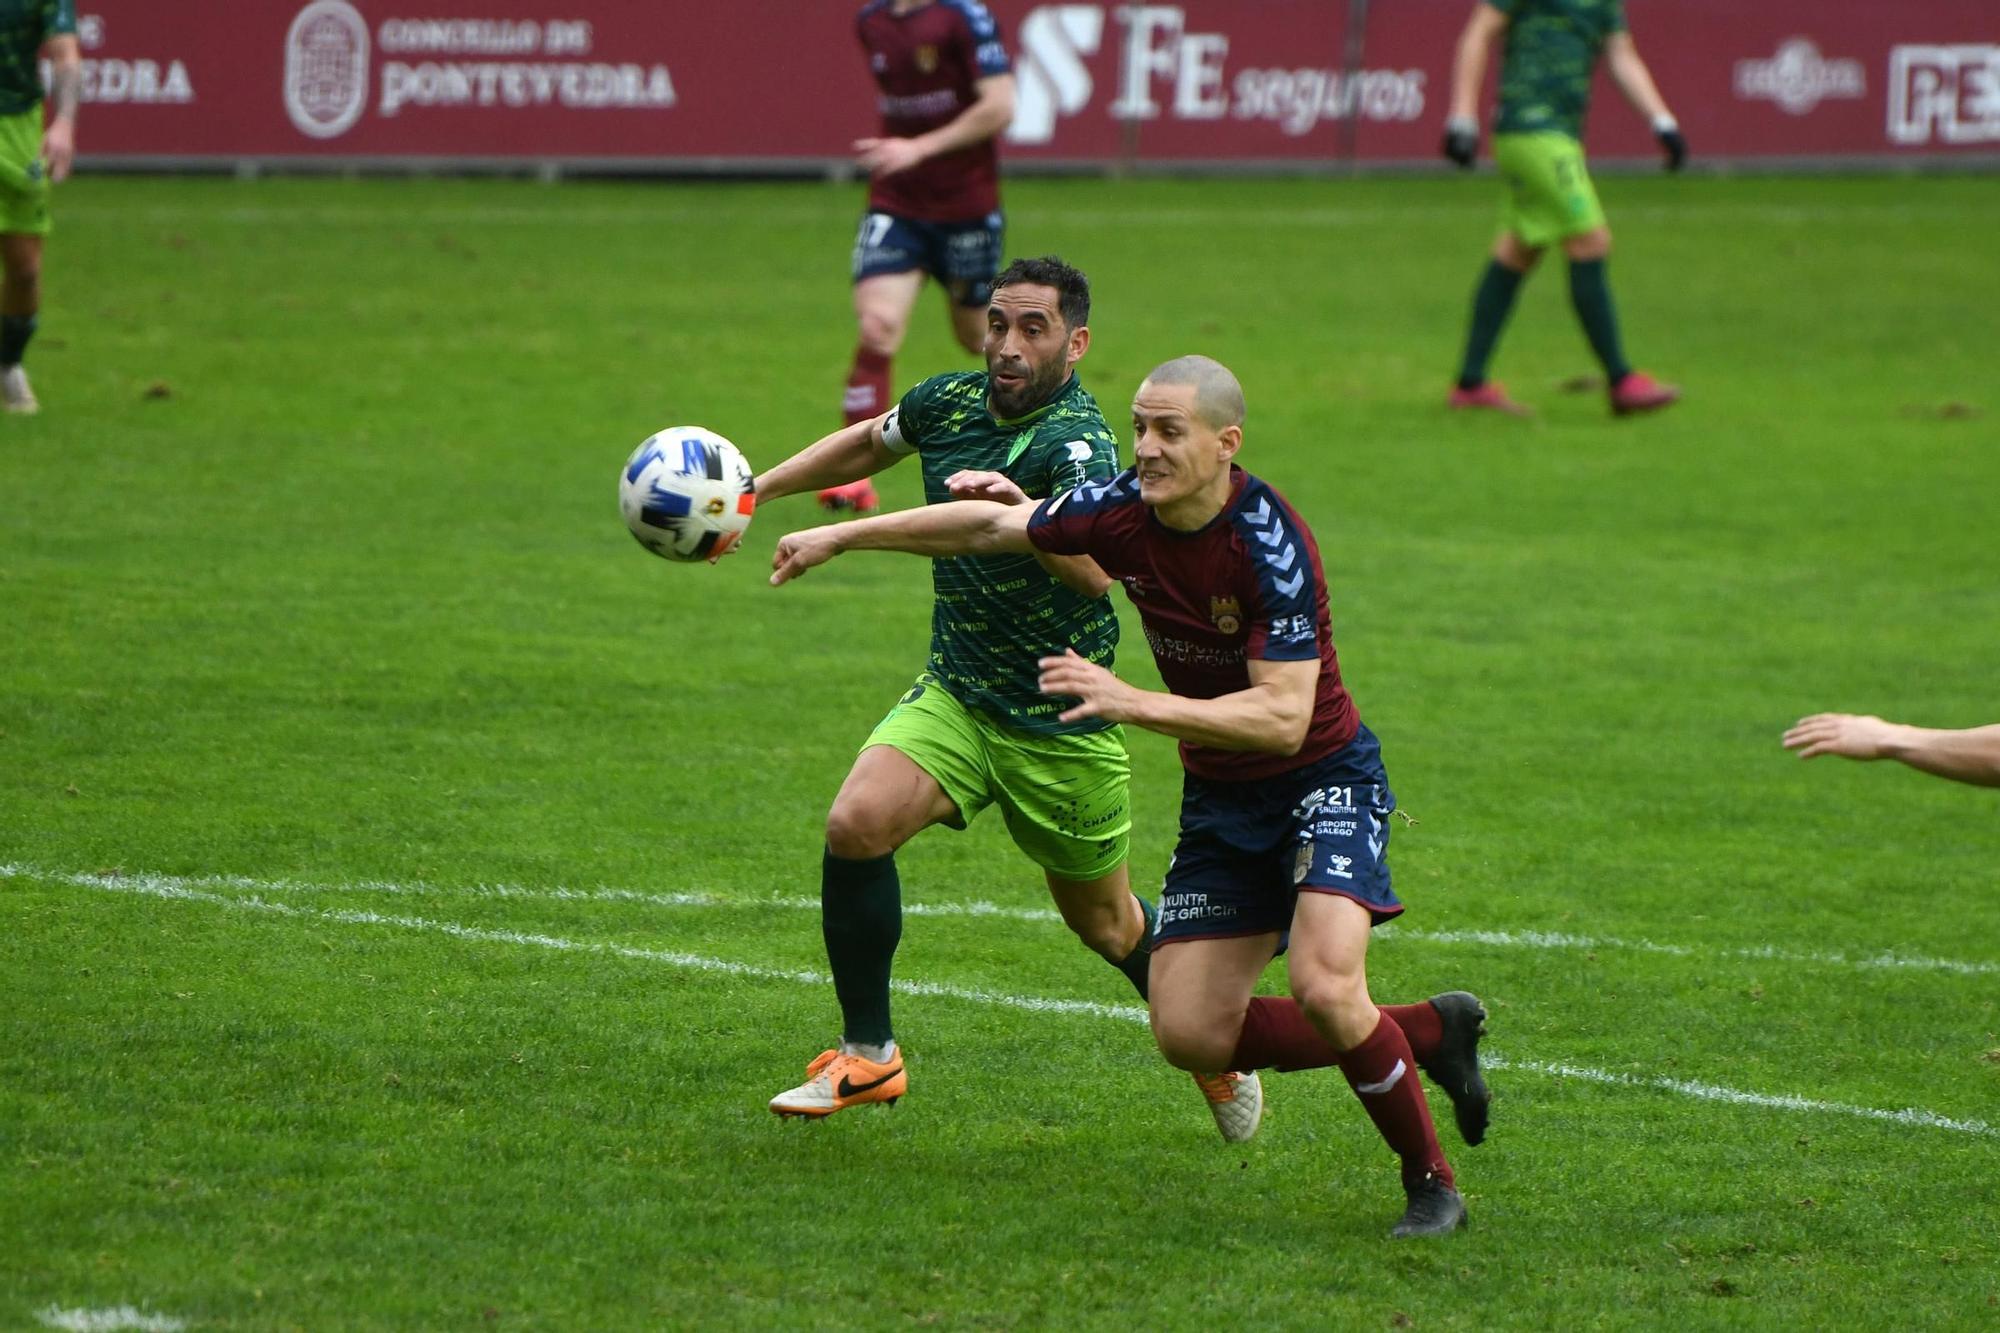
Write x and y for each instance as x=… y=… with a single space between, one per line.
x=696 y=83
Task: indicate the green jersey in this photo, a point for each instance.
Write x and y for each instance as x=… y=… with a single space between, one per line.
x=996 y=614
x=1552 y=50
x=24 y=26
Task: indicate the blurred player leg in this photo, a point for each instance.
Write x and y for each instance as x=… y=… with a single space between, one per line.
x=24 y=222
x=1590 y=292
x=20 y=299
x=968 y=321
x=1328 y=967
x=882 y=305
x=971 y=261
x=1492 y=302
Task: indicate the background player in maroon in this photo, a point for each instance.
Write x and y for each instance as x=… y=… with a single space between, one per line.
x=946 y=94
x=1284 y=817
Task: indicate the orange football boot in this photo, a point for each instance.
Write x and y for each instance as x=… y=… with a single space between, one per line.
x=838 y=1080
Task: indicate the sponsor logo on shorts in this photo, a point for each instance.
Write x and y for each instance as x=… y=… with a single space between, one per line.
x=1193 y=907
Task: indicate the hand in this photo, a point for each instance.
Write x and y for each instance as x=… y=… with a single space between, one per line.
x=972 y=484
x=799 y=551
x=1102 y=694
x=1849 y=735
x=59 y=148
x=1672 y=143
x=1461 y=140
x=886 y=157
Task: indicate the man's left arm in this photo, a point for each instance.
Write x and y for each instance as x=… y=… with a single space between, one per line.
x=1272 y=716
x=1629 y=72
x=65 y=59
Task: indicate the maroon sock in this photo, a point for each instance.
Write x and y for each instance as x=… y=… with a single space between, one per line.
x=1421 y=1024
x=1277 y=1035
x=867 y=387
x=1383 y=1074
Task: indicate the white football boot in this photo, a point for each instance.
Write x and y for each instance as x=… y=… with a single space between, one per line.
x=18 y=394
x=1237 y=1102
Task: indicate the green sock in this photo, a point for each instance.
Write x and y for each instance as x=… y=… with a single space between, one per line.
x=1492 y=302
x=861 y=918
x=1590 y=293
x=1140 y=960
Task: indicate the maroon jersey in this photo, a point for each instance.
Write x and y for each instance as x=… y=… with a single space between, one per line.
x=928 y=64
x=1248 y=585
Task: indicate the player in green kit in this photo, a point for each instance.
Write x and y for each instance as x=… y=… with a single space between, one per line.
x=33 y=156
x=975 y=730
x=1552 y=49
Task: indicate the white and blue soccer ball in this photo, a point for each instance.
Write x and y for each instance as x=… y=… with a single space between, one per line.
x=687 y=493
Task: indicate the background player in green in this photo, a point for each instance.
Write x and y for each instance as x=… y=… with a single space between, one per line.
x=33 y=156
x=975 y=729
x=1552 y=49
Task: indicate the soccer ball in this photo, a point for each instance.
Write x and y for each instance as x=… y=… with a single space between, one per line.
x=687 y=493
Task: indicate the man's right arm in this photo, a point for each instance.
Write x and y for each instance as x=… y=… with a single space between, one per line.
x=849 y=454
x=1468 y=75
x=961 y=527
x=1972 y=755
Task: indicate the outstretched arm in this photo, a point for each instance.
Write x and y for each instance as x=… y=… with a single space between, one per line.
x=962 y=527
x=1272 y=716
x=1972 y=755
x=849 y=454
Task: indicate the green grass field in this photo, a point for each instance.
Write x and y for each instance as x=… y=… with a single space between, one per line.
x=408 y=886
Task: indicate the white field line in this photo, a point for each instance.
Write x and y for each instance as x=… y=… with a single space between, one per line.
x=109 y=1321
x=1711 y=1092
x=1887 y=960
x=172 y=888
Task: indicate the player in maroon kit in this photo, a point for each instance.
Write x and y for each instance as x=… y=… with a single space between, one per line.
x=1285 y=808
x=947 y=92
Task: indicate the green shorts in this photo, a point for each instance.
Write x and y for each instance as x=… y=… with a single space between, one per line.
x=24 y=182
x=1066 y=799
x=1549 y=194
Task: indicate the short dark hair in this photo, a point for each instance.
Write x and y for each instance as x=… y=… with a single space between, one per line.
x=1072 y=288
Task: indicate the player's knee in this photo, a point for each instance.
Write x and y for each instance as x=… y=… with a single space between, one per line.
x=1187 y=1043
x=879 y=333
x=1104 y=932
x=24 y=274
x=1513 y=253
x=1590 y=245
x=855 y=832
x=1338 y=1004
